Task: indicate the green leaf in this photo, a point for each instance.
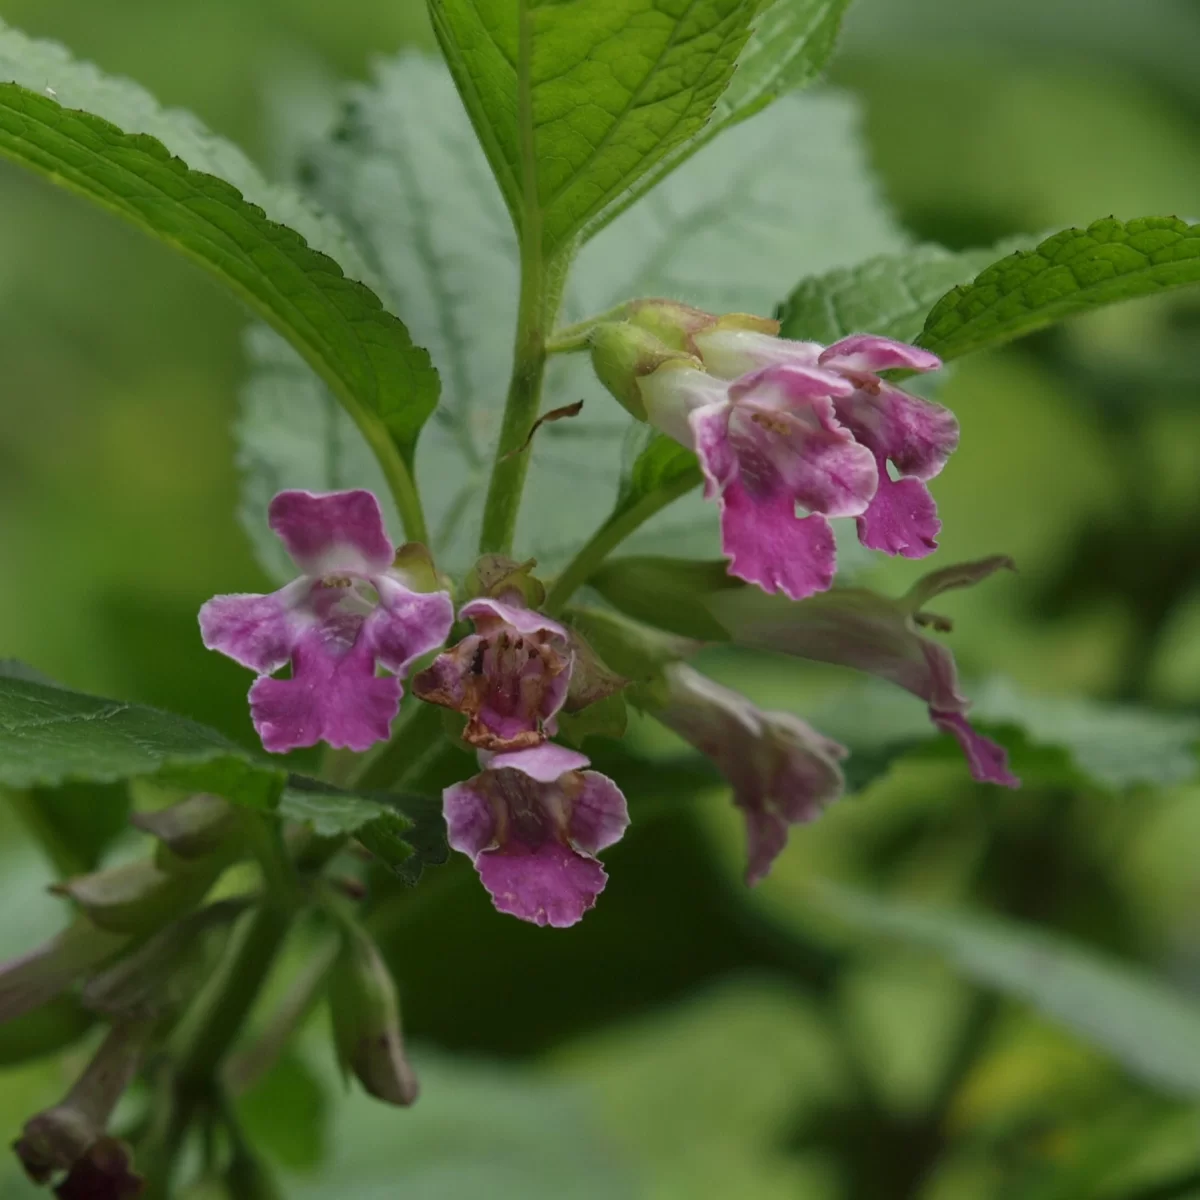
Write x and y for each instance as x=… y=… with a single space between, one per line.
x=50 y=737
x=1151 y=1029
x=607 y=718
x=49 y=68
x=479 y=1130
x=1076 y=742
x=1070 y=273
x=337 y=325
x=659 y=463
x=574 y=102
x=732 y=229
x=790 y=44
x=286 y=1114
x=889 y=295
x=405 y=832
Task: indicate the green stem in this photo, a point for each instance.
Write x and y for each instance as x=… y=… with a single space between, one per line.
x=408 y=746
x=610 y=535
x=210 y=1036
x=572 y=338
x=541 y=291
x=395 y=471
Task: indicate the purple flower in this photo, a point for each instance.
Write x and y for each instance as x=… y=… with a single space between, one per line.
x=915 y=436
x=767 y=441
x=783 y=772
x=858 y=628
x=532 y=822
x=349 y=610
x=510 y=677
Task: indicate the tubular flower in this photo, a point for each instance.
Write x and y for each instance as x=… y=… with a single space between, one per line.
x=767 y=441
x=532 y=822
x=858 y=628
x=915 y=436
x=510 y=677
x=349 y=610
x=783 y=772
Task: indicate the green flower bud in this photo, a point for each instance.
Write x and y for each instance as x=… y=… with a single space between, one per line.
x=191 y=829
x=34 y=979
x=366 y=1022
x=622 y=353
x=140 y=897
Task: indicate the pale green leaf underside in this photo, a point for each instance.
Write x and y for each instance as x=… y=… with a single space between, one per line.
x=733 y=229
x=1067 y=274
x=890 y=295
x=1151 y=1029
x=597 y=92
x=50 y=736
x=338 y=325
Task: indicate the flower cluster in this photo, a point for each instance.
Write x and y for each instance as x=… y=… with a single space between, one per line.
x=778 y=423
x=775 y=424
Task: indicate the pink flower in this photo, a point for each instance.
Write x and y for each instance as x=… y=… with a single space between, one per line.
x=915 y=436
x=783 y=772
x=510 y=677
x=532 y=822
x=767 y=441
x=349 y=610
x=858 y=628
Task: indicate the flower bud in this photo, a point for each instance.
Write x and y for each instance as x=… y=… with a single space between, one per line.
x=623 y=353
x=192 y=828
x=677 y=324
x=366 y=1022
x=140 y=897
x=160 y=975
x=34 y=979
x=59 y=1138
x=105 y=1172
x=498 y=577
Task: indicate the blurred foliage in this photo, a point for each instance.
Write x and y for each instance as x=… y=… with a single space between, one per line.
x=691 y=1022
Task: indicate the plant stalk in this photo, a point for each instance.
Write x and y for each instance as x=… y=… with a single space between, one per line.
x=606 y=539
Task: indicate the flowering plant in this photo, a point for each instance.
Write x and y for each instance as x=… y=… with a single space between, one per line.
x=490 y=590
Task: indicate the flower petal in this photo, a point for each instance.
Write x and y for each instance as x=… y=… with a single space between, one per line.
x=407 y=624
x=709 y=428
x=331 y=697
x=766 y=840
x=780 y=429
x=917 y=435
x=549 y=884
x=769 y=545
x=870 y=353
x=489 y=614
x=509 y=679
x=470 y=821
x=988 y=760
x=901 y=518
x=599 y=814
x=793 y=383
x=332 y=531
x=733 y=352
x=544 y=763
x=673 y=391
x=256 y=631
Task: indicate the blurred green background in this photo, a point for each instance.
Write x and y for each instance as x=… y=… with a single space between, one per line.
x=692 y=1037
